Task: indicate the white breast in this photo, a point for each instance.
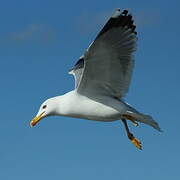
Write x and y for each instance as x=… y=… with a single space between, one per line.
x=75 y=105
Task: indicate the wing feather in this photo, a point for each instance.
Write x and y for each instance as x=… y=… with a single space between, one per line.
x=109 y=60
x=107 y=65
x=77 y=70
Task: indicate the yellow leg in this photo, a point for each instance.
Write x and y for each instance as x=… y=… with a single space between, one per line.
x=135 y=141
x=131 y=119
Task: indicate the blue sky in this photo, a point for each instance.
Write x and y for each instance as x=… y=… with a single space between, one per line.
x=39 y=42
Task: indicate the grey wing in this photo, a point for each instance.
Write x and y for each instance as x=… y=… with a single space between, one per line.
x=77 y=70
x=108 y=62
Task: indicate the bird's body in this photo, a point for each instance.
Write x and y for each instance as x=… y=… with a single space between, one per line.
x=107 y=109
x=102 y=78
x=75 y=105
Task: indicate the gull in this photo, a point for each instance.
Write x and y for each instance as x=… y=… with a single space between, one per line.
x=102 y=78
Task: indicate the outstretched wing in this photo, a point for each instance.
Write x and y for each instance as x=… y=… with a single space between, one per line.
x=77 y=70
x=108 y=62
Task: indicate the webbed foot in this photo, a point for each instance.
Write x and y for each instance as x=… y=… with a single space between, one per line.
x=131 y=119
x=135 y=141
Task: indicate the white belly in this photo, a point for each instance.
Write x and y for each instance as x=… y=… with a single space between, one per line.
x=85 y=108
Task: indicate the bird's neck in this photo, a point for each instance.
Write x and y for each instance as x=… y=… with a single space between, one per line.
x=63 y=104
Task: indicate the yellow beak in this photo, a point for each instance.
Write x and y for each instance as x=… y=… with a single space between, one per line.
x=36 y=119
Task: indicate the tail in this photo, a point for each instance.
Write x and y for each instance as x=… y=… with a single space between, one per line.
x=144 y=119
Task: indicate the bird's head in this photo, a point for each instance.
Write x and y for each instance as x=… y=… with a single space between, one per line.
x=47 y=108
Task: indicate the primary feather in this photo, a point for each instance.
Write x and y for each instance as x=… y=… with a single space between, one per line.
x=108 y=62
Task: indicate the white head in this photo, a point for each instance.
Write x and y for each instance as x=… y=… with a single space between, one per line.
x=47 y=108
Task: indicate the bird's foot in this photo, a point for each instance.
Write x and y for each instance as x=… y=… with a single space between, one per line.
x=134 y=122
x=135 y=141
x=131 y=119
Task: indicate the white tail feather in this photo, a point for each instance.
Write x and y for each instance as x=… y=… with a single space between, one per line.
x=144 y=119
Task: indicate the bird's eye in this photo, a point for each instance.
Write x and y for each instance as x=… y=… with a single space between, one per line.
x=44 y=106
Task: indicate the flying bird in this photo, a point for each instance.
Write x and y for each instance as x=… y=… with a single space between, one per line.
x=102 y=78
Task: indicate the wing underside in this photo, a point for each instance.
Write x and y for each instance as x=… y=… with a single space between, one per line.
x=107 y=65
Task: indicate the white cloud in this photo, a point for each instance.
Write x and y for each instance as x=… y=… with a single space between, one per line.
x=90 y=22
x=39 y=33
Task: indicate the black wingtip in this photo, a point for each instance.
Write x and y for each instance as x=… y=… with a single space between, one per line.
x=130 y=16
x=125 y=12
x=119 y=19
x=126 y=19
